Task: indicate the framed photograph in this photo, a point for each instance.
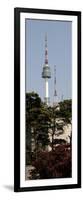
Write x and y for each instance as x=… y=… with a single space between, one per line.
x=47 y=99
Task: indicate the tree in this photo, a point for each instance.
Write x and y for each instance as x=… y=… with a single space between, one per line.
x=65 y=110
x=54 y=164
x=37 y=119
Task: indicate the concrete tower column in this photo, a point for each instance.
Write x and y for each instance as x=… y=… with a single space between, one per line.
x=46 y=92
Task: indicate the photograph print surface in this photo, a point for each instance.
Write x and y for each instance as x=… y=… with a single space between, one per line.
x=48 y=99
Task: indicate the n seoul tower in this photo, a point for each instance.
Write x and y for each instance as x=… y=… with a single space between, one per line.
x=46 y=73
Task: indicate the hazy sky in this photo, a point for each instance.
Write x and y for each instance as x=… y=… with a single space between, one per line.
x=59 y=34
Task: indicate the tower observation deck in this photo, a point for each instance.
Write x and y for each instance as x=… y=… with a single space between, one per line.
x=46 y=73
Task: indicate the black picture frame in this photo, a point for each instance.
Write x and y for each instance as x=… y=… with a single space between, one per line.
x=17 y=12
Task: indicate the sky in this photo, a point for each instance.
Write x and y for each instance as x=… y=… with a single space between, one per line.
x=59 y=36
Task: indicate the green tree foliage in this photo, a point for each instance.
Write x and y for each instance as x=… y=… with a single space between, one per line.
x=37 y=119
x=65 y=110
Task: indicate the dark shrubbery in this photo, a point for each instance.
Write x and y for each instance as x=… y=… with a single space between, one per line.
x=39 y=119
x=54 y=164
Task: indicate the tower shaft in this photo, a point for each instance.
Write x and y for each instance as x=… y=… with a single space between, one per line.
x=46 y=92
x=46 y=87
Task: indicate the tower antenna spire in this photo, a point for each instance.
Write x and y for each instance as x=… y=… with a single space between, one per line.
x=46 y=50
x=55 y=90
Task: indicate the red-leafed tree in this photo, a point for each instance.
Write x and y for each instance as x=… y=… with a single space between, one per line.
x=54 y=164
